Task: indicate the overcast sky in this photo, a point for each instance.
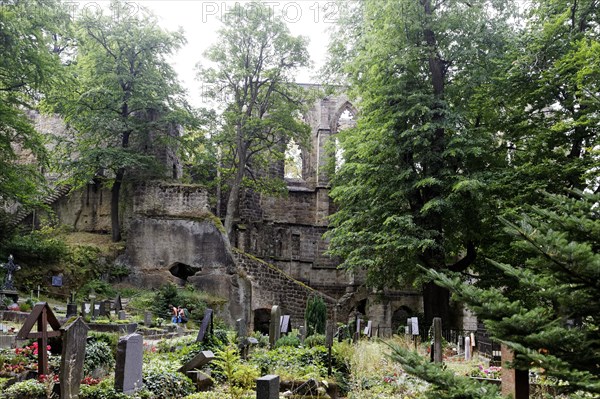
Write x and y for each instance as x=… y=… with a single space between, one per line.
x=200 y=21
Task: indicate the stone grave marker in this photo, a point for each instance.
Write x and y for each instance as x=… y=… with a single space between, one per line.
x=206 y=326
x=302 y=332
x=97 y=309
x=267 y=387
x=147 y=319
x=242 y=334
x=86 y=309
x=42 y=315
x=118 y=304
x=71 y=362
x=128 y=369
x=329 y=328
x=197 y=361
x=368 y=331
x=437 y=340
x=274 y=328
x=285 y=324
x=467 y=348
x=122 y=315
x=71 y=310
x=514 y=382
x=107 y=307
x=357 y=332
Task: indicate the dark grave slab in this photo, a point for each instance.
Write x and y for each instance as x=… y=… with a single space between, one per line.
x=206 y=326
x=122 y=315
x=128 y=370
x=118 y=304
x=147 y=319
x=201 y=359
x=267 y=387
x=86 y=309
x=71 y=310
x=73 y=354
x=286 y=324
x=97 y=310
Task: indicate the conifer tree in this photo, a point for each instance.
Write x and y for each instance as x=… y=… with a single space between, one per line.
x=550 y=312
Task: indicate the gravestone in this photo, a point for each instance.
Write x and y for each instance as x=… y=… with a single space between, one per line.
x=97 y=308
x=86 y=309
x=357 y=332
x=302 y=332
x=197 y=361
x=242 y=333
x=267 y=387
x=118 y=304
x=148 y=319
x=106 y=307
x=122 y=315
x=368 y=329
x=128 y=369
x=71 y=310
x=329 y=328
x=285 y=324
x=437 y=340
x=274 y=329
x=514 y=382
x=206 y=326
x=414 y=325
x=71 y=362
x=467 y=348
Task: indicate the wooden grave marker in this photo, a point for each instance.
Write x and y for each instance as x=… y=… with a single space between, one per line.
x=42 y=315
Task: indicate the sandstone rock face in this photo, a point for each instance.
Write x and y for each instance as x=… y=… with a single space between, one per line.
x=160 y=250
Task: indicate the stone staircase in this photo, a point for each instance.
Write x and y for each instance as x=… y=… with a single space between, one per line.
x=58 y=193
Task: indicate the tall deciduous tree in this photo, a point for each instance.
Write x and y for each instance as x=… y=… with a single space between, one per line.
x=411 y=190
x=31 y=41
x=255 y=58
x=124 y=92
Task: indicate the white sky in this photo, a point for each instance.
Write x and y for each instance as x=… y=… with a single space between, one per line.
x=200 y=21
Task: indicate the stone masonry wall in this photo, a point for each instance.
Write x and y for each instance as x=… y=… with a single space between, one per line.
x=170 y=199
x=270 y=286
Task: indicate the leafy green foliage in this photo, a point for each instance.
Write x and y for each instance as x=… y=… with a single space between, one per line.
x=288 y=340
x=314 y=340
x=27 y=389
x=292 y=362
x=315 y=316
x=166 y=384
x=98 y=354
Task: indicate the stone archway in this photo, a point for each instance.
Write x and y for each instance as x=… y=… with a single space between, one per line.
x=399 y=317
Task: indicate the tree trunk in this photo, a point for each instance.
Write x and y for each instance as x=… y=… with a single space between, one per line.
x=233 y=202
x=436 y=303
x=114 y=206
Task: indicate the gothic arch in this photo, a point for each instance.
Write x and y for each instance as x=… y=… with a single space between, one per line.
x=345 y=106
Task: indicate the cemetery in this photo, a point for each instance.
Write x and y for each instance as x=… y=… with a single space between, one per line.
x=418 y=219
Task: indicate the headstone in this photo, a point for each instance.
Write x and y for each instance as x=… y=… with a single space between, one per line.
x=242 y=330
x=274 y=330
x=467 y=348
x=128 y=369
x=357 y=332
x=302 y=332
x=285 y=324
x=368 y=329
x=329 y=330
x=197 y=361
x=514 y=382
x=57 y=281
x=118 y=304
x=97 y=309
x=409 y=326
x=414 y=321
x=267 y=387
x=437 y=340
x=86 y=309
x=71 y=310
x=122 y=315
x=147 y=319
x=207 y=325
x=106 y=308
x=71 y=362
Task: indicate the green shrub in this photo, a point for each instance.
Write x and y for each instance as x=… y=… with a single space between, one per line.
x=164 y=384
x=315 y=316
x=314 y=340
x=98 y=354
x=104 y=390
x=28 y=389
x=167 y=295
x=292 y=363
x=100 y=287
x=111 y=339
x=288 y=340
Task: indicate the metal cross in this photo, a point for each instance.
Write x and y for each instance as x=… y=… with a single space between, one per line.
x=10 y=269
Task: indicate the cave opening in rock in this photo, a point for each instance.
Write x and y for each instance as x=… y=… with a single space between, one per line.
x=182 y=271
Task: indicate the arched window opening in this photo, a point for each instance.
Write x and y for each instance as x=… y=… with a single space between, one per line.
x=346 y=120
x=293 y=161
